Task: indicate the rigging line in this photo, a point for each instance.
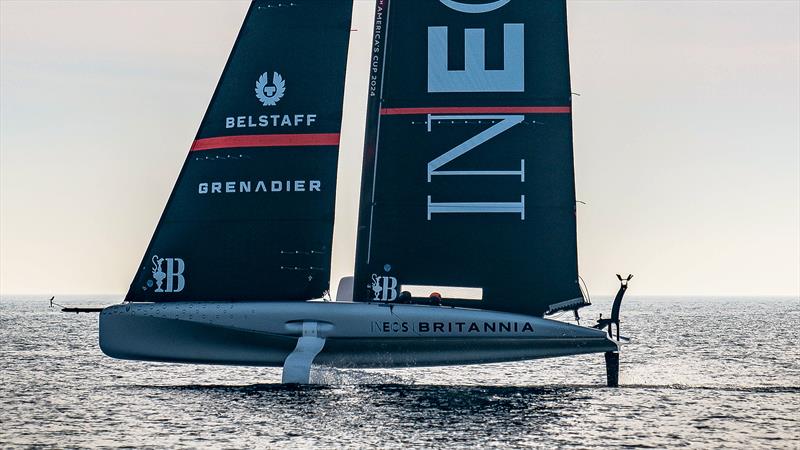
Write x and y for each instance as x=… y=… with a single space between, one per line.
x=391 y=311
x=585 y=288
x=54 y=303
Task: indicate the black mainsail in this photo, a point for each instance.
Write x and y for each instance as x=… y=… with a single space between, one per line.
x=468 y=176
x=251 y=215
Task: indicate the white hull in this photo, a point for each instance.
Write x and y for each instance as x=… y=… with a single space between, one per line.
x=354 y=334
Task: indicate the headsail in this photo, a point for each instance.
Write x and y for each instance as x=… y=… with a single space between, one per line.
x=251 y=215
x=468 y=167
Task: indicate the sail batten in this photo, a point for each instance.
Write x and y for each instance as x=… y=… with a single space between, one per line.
x=251 y=215
x=469 y=150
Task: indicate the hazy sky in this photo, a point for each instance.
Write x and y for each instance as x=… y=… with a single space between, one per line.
x=687 y=138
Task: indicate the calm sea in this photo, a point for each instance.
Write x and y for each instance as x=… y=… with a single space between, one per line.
x=699 y=372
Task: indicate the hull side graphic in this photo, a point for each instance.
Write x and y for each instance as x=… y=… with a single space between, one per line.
x=358 y=335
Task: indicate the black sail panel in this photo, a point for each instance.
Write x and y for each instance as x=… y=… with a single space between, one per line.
x=251 y=215
x=468 y=176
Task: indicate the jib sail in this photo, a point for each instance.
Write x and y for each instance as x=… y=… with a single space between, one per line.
x=468 y=185
x=251 y=215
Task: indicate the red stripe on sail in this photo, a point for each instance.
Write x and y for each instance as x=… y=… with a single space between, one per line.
x=266 y=140
x=478 y=110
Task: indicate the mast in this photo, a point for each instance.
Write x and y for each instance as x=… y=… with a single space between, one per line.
x=468 y=181
x=251 y=214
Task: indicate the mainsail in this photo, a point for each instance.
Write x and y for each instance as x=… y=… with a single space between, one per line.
x=251 y=215
x=468 y=178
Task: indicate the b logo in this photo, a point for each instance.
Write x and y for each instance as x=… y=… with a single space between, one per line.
x=174 y=274
x=384 y=288
x=270 y=94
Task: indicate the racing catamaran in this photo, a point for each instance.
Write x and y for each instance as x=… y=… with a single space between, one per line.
x=467 y=227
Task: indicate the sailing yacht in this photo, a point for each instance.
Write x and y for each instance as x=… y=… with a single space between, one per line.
x=466 y=231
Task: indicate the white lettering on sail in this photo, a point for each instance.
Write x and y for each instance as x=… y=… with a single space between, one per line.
x=475 y=77
x=384 y=288
x=174 y=274
x=477 y=207
x=474 y=8
x=505 y=122
x=236 y=187
x=272 y=120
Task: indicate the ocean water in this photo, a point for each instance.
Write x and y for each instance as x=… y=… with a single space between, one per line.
x=698 y=373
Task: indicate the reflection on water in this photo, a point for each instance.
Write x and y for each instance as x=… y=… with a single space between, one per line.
x=699 y=372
